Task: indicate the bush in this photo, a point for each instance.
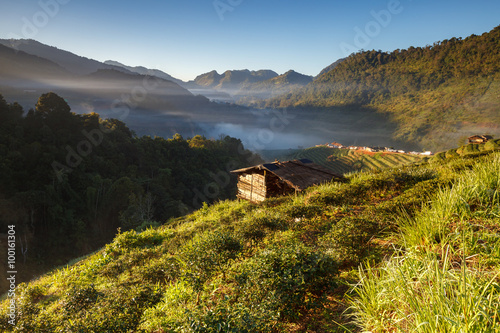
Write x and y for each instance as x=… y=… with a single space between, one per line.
x=451 y=153
x=115 y=310
x=286 y=278
x=78 y=299
x=254 y=227
x=228 y=317
x=158 y=270
x=206 y=254
x=492 y=145
x=302 y=210
x=349 y=240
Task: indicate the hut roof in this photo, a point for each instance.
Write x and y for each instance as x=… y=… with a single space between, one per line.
x=484 y=138
x=299 y=174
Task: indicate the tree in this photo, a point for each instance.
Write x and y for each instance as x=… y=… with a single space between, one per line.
x=51 y=103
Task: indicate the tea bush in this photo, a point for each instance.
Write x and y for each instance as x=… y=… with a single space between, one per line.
x=286 y=278
x=206 y=254
x=349 y=240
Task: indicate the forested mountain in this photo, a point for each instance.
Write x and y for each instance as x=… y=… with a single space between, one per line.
x=330 y=67
x=436 y=94
x=231 y=81
x=149 y=104
x=249 y=93
x=68 y=181
x=246 y=87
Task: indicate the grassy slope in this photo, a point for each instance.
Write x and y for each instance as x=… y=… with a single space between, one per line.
x=286 y=265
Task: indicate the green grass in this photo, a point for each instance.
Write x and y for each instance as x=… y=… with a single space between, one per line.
x=448 y=260
x=406 y=236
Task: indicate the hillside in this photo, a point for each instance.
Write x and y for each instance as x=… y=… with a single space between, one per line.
x=437 y=95
x=427 y=234
x=330 y=67
x=17 y=66
x=70 y=61
x=344 y=161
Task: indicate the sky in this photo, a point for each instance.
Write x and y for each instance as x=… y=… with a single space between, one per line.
x=186 y=38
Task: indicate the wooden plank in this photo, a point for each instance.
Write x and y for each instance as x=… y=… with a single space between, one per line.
x=252 y=187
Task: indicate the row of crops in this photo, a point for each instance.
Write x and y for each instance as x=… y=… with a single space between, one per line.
x=344 y=160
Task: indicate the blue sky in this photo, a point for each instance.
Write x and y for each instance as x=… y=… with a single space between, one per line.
x=189 y=37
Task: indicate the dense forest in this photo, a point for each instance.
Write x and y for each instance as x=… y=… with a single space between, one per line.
x=436 y=93
x=68 y=181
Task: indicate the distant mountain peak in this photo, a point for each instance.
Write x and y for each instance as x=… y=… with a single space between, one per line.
x=293 y=77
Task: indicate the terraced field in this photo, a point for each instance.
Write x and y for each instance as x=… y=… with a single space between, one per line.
x=345 y=160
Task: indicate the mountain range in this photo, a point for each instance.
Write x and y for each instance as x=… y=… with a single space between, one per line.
x=30 y=68
x=150 y=102
x=429 y=97
x=71 y=62
x=154 y=103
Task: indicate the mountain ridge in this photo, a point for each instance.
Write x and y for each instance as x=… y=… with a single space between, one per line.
x=437 y=95
x=146 y=71
x=74 y=63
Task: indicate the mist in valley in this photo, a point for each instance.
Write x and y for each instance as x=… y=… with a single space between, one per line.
x=156 y=107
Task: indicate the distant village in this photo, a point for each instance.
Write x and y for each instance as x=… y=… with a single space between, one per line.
x=336 y=145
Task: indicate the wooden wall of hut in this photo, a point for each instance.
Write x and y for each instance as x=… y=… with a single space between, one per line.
x=252 y=187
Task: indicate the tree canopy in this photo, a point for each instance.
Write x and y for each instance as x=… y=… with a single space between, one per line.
x=68 y=181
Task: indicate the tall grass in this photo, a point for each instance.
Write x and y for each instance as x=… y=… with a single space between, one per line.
x=437 y=283
x=477 y=190
x=412 y=293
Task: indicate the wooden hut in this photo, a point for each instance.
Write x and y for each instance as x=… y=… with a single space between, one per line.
x=262 y=181
x=480 y=138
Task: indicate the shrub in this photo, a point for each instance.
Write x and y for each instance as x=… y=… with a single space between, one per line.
x=302 y=210
x=349 y=240
x=451 y=153
x=286 y=278
x=254 y=227
x=158 y=270
x=228 y=317
x=206 y=254
x=78 y=299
